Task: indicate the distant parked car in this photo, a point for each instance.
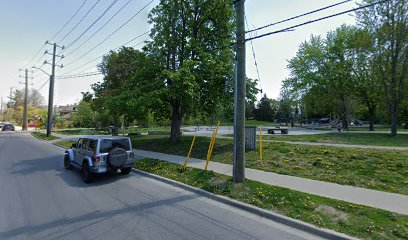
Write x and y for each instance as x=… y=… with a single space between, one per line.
x=7 y=127
x=32 y=125
x=358 y=122
x=100 y=154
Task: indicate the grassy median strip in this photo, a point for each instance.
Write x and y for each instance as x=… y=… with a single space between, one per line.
x=352 y=219
x=385 y=170
x=375 y=139
x=44 y=136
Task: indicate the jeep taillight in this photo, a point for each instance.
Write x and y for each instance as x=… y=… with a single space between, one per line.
x=96 y=159
x=131 y=154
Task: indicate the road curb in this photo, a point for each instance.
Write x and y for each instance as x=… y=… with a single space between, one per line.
x=325 y=233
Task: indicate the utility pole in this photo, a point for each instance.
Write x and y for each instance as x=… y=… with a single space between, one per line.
x=51 y=90
x=11 y=94
x=239 y=108
x=25 y=120
x=25 y=111
x=2 y=118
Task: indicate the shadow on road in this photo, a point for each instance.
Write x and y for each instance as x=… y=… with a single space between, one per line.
x=90 y=219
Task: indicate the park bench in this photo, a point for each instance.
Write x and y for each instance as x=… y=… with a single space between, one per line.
x=282 y=130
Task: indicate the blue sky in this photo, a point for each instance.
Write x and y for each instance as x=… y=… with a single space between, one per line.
x=25 y=26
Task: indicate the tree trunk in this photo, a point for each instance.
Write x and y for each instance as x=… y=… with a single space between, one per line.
x=371 y=113
x=176 y=117
x=394 y=123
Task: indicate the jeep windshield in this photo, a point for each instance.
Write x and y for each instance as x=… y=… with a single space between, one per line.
x=108 y=144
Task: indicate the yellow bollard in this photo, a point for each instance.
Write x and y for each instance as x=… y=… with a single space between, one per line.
x=260 y=144
x=209 y=147
x=212 y=143
x=189 y=152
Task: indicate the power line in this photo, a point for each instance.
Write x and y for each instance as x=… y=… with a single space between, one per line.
x=97 y=58
x=35 y=55
x=59 y=31
x=315 y=20
x=256 y=63
x=80 y=75
x=110 y=35
x=97 y=31
x=298 y=16
x=92 y=24
x=43 y=85
x=86 y=14
x=77 y=11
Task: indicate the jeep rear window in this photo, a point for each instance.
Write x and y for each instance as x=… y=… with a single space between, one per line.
x=108 y=144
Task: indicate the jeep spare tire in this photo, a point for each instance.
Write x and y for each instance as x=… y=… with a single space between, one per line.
x=117 y=157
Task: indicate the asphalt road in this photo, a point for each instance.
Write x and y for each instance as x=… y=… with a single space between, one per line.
x=39 y=199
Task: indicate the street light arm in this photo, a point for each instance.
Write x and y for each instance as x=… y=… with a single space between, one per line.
x=41 y=70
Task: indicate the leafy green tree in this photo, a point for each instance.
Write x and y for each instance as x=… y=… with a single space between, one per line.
x=264 y=110
x=285 y=111
x=387 y=23
x=128 y=88
x=321 y=74
x=367 y=85
x=84 y=117
x=87 y=96
x=191 y=42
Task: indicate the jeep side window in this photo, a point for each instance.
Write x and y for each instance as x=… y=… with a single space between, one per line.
x=85 y=144
x=92 y=146
x=80 y=142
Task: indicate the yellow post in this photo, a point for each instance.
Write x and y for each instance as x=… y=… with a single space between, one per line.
x=211 y=147
x=260 y=144
x=189 y=152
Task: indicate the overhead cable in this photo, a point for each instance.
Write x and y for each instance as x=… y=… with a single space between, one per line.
x=97 y=31
x=110 y=35
x=315 y=20
x=79 y=22
x=92 y=24
x=298 y=16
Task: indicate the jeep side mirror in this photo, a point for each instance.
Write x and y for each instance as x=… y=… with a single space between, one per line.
x=74 y=145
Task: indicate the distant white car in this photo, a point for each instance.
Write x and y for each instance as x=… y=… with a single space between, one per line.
x=100 y=154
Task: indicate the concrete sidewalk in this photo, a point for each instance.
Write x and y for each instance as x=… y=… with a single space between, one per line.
x=383 y=200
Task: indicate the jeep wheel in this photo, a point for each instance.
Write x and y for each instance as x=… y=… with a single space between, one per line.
x=67 y=164
x=86 y=173
x=125 y=171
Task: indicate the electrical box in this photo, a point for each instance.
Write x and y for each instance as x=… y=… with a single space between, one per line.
x=250 y=138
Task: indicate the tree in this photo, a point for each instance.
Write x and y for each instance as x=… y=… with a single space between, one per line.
x=128 y=88
x=387 y=23
x=264 y=110
x=321 y=74
x=35 y=98
x=285 y=111
x=87 y=96
x=191 y=42
x=367 y=85
x=84 y=116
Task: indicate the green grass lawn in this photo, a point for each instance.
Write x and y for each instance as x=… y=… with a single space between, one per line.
x=376 y=139
x=387 y=129
x=67 y=144
x=385 y=170
x=81 y=132
x=356 y=220
x=44 y=136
